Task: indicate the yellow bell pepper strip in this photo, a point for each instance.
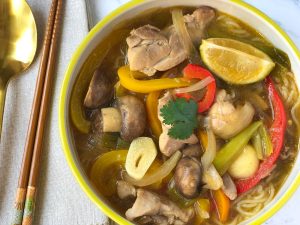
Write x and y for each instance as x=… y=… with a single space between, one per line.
x=202 y=135
x=222 y=204
x=76 y=104
x=147 y=86
x=202 y=208
x=227 y=154
x=105 y=171
x=159 y=184
x=151 y=106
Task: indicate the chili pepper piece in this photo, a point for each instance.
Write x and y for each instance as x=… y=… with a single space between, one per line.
x=192 y=71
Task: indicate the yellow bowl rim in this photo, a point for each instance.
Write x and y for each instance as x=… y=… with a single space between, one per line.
x=62 y=112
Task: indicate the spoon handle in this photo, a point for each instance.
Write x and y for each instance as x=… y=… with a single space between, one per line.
x=3 y=88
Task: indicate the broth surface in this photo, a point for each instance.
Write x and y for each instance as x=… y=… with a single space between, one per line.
x=111 y=54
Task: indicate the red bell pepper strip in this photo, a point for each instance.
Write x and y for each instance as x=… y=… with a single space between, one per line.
x=277 y=131
x=192 y=71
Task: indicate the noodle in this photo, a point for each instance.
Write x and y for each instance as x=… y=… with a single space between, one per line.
x=233 y=26
x=250 y=203
x=296 y=110
x=287 y=86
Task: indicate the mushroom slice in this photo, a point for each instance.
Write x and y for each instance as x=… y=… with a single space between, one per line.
x=133 y=115
x=188 y=175
x=100 y=90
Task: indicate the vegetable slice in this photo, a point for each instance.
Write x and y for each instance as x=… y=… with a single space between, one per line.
x=262 y=143
x=229 y=187
x=141 y=154
x=202 y=135
x=195 y=87
x=180 y=27
x=152 y=113
x=266 y=141
x=105 y=171
x=158 y=175
x=235 y=61
x=222 y=204
x=212 y=179
x=202 y=207
x=277 y=131
x=153 y=168
x=76 y=104
x=233 y=148
x=147 y=86
x=192 y=71
x=210 y=152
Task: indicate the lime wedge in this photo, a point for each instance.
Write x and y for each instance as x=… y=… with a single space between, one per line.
x=235 y=61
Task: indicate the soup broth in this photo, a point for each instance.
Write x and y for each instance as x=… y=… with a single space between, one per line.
x=92 y=143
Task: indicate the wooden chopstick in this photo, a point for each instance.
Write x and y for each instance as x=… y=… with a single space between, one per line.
x=45 y=73
x=37 y=151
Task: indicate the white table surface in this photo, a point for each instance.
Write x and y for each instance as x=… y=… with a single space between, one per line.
x=287 y=14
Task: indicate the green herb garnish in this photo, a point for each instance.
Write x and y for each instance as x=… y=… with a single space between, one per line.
x=181 y=114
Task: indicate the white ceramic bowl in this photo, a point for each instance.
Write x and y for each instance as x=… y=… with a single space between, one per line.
x=239 y=9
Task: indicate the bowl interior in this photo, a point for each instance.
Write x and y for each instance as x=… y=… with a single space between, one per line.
x=240 y=10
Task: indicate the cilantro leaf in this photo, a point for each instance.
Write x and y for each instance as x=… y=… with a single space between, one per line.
x=181 y=114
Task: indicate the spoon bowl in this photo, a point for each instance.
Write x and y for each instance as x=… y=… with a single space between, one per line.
x=18 y=42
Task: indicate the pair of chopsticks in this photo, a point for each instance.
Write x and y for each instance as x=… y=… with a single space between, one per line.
x=27 y=184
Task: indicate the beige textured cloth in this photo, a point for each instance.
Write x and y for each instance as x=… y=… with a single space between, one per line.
x=60 y=200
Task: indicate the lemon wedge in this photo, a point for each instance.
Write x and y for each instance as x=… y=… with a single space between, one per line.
x=235 y=61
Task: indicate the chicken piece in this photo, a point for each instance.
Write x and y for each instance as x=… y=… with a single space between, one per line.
x=197 y=22
x=226 y=120
x=100 y=90
x=147 y=46
x=167 y=144
x=151 y=49
x=176 y=55
x=151 y=204
x=125 y=190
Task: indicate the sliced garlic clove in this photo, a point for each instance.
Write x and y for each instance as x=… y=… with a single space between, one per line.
x=142 y=152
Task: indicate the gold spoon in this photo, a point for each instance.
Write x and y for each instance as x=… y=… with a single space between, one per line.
x=18 y=41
